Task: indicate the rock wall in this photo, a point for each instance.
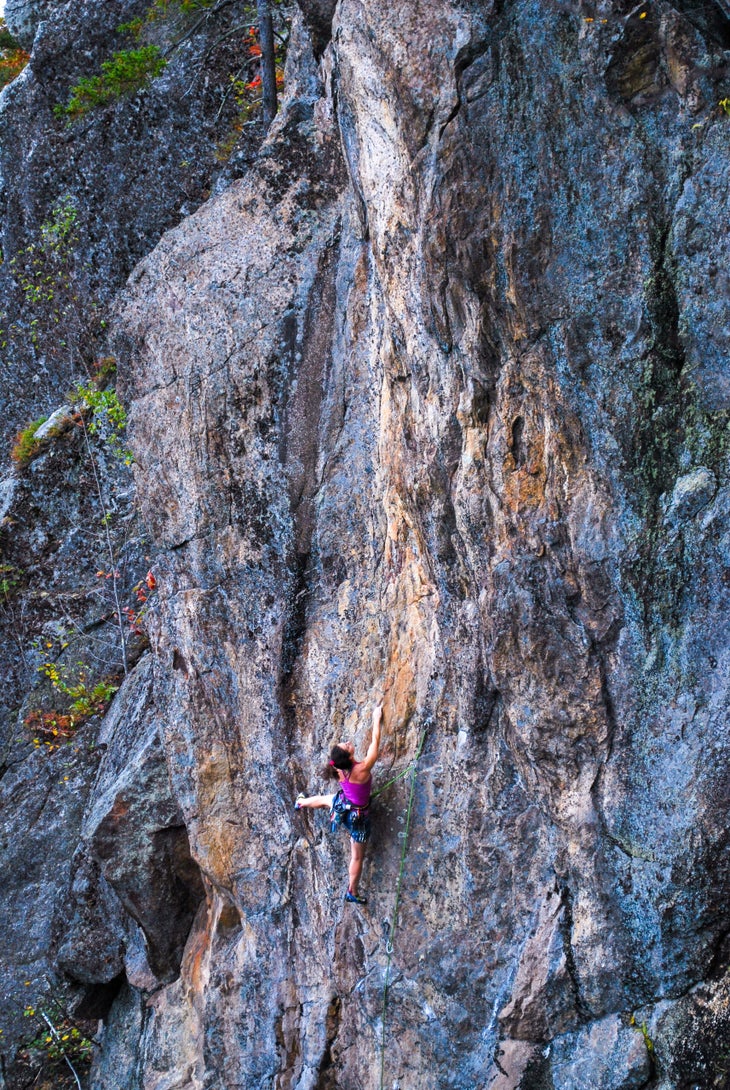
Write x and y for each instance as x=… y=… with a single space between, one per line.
x=432 y=405
x=23 y=17
x=80 y=202
x=129 y=169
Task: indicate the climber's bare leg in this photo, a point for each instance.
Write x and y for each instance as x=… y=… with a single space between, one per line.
x=315 y=801
x=355 y=869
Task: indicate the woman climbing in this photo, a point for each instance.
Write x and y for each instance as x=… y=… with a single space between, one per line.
x=349 y=806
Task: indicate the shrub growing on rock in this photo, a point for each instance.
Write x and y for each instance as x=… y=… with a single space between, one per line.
x=13 y=59
x=128 y=71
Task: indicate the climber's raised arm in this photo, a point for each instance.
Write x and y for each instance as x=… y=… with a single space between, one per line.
x=372 y=754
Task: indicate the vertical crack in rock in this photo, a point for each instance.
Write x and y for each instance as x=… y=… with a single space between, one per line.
x=581 y=1006
x=327 y=1073
x=310 y=364
x=318 y=18
x=660 y=431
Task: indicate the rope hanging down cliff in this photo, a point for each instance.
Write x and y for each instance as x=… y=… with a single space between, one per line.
x=413 y=769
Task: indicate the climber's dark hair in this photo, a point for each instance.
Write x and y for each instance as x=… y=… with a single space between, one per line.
x=339 y=758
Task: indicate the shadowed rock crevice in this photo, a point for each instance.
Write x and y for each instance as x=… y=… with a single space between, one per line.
x=318 y=18
x=566 y=928
x=663 y=395
x=327 y=1073
x=135 y=888
x=98 y=999
x=309 y=365
x=711 y=17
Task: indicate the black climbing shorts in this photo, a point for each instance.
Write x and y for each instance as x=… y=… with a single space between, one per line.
x=356 y=819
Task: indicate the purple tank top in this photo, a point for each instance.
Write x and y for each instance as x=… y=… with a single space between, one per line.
x=357 y=793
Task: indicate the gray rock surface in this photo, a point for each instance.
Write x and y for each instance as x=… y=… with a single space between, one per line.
x=133 y=855
x=431 y=406
x=42 y=802
x=608 y=1055
x=23 y=16
x=692 y=492
x=129 y=169
x=126 y=171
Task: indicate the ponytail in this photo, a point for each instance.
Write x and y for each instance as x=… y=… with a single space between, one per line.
x=339 y=759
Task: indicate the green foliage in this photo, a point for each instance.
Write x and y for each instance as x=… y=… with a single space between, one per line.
x=106 y=406
x=26 y=446
x=39 y=266
x=55 y=1043
x=77 y=697
x=104 y=369
x=108 y=419
x=134 y=27
x=724 y=105
x=163 y=6
x=246 y=87
x=7 y=41
x=60 y=231
x=648 y=1043
x=84 y=699
x=45 y=273
x=643 y=1030
x=13 y=59
x=9 y=580
x=128 y=71
x=160 y=10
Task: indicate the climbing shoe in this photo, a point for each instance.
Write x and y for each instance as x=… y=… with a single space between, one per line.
x=298 y=803
x=353 y=897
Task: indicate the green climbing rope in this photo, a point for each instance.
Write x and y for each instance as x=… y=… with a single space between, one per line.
x=389 y=783
x=412 y=768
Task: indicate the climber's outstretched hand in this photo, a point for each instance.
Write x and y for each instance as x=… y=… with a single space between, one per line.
x=374 y=748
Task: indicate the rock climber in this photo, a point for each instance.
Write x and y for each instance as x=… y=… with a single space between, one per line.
x=350 y=805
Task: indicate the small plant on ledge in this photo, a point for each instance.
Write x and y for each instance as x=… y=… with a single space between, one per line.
x=57 y=1050
x=82 y=699
x=85 y=699
x=9 y=581
x=13 y=59
x=26 y=446
x=127 y=72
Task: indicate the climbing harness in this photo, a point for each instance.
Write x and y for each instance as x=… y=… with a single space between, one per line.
x=356 y=819
x=412 y=768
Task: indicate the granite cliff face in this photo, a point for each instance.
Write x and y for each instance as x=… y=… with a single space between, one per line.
x=431 y=404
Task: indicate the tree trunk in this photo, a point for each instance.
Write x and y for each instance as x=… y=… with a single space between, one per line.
x=268 y=66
